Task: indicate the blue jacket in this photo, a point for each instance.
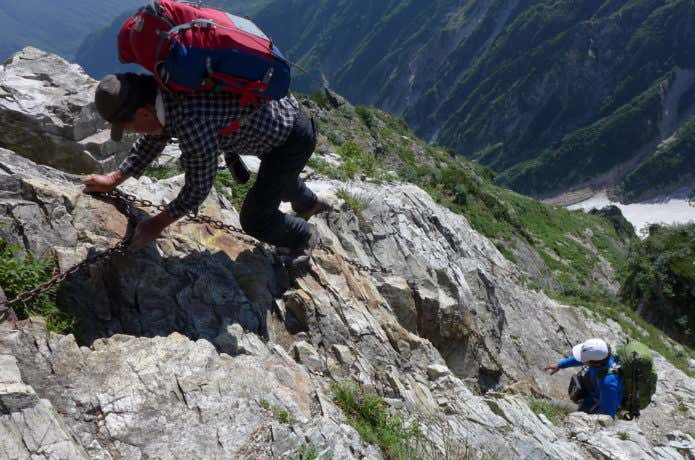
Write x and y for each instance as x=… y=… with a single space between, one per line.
x=608 y=391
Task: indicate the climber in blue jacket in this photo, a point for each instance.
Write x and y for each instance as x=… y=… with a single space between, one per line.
x=604 y=390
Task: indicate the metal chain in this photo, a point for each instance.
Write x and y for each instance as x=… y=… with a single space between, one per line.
x=231 y=228
x=190 y=216
x=126 y=199
x=353 y=263
x=6 y=310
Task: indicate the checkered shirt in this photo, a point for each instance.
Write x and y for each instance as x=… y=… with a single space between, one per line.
x=196 y=119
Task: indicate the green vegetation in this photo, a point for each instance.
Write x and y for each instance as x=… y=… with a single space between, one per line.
x=163 y=172
x=353 y=161
x=352 y=201
x=320 y=98
x=672 y=165
x=552 y=96
x=659 y=279
x=367 y=414
x=280 y=414
x=623 y=435
x=21 y=273
x=555 y=414
x=311 y=453
x=571 y=243
x=224 y=182
x=682 y=408
x=592 y=150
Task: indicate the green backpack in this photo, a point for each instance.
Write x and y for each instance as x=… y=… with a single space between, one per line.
x=636 y=367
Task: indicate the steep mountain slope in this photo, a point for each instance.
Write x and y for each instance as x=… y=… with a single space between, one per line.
x=553 y=94
x=204 y=345
x=574 y=257
x=59 y=26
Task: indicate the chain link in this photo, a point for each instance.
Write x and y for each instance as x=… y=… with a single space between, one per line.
x=353 y=263
x=190 y=216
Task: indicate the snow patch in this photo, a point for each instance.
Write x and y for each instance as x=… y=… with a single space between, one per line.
x=641 y=215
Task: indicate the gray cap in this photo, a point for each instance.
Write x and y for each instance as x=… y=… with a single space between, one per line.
x=116 y=100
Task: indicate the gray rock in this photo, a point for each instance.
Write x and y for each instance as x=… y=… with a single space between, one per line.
x=37 y=432
x=400 y=298
x=48 y=114
x=306 y=354
x=334 y=98
x=15 y=396
x=234 y=341
x=436 y=371
x=343 y=354
x=165 y=397
x=181 y=308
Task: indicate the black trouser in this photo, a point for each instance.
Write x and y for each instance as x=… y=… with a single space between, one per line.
x=278 y=180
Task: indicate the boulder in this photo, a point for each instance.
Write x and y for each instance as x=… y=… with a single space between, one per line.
x=48 y=115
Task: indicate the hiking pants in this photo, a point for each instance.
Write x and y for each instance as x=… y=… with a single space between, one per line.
x=278 y=180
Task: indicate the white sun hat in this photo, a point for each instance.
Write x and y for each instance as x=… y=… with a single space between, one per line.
x=591 y=350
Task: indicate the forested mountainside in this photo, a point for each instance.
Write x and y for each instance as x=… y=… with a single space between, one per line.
x=551 y=94
x=59 y=26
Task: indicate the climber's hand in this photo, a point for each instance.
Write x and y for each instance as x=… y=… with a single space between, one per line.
x=148 y=230
x=103 y=183
x=553 y=368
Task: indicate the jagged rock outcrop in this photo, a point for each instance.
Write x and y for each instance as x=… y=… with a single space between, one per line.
x=203 y=346
x=186 y=377
x=47 y=114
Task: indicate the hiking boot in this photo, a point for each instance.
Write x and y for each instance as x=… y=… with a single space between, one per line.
x=299 y=257
x=318 y=207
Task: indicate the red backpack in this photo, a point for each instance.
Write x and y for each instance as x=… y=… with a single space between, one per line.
x=190 y=48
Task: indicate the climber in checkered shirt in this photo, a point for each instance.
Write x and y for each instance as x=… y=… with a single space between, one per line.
x=280 y=133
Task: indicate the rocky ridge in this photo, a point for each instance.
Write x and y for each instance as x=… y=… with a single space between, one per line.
x=186 y=348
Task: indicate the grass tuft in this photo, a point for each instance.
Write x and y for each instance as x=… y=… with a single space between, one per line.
x=555 y=414
x=353 y=201
x=224 y=181
x=280 y=414
x=163 y=172
x=21 y=273
x=368 y=414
